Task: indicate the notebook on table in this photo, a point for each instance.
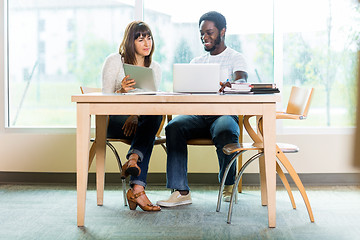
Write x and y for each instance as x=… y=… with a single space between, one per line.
x=196 y=78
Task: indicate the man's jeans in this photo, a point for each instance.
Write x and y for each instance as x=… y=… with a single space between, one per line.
x=221 y=129
x=142 y=142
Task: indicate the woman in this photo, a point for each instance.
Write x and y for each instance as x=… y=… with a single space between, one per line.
x=136 y=48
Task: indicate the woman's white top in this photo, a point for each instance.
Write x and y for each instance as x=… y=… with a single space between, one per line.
x=113 y=73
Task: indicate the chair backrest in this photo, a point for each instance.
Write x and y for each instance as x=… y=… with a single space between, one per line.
x=299 y=101
x=85 y=90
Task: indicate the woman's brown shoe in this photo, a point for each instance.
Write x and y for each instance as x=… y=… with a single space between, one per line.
x=130 y=168
x=133 y=202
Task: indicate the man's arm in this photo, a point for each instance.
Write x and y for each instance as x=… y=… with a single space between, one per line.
x=241 y=75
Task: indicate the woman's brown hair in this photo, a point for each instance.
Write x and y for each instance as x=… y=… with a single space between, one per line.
x=127 y=47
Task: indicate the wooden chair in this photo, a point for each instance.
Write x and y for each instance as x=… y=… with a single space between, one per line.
x=159 y=140
x=297 y=109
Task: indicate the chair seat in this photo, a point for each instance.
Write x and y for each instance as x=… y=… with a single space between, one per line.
x=288 y=148
x=283 y=115
x=236 y=147
x=158 y=140
x=200 y=141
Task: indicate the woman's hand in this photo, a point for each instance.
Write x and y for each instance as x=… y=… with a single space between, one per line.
x=127 y=84
x=130 y=125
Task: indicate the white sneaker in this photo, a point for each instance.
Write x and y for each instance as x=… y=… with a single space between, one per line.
x=226 y=193
x=176 y=199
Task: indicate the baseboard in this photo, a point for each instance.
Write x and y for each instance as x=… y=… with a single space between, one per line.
x=308 y=179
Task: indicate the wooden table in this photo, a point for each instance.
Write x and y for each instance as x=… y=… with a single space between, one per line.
x=102 y=105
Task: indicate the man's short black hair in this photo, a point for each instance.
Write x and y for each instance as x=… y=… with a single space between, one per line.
x=216 y=17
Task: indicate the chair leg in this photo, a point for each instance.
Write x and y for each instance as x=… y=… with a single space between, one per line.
x=234 y=192
x=118 y=160
x=289 y=168
x=286 y=184
x=239 y=163
x=222 y=184
x=163 y=145
x=113 y=149
x=257 y=137
x=124 y=190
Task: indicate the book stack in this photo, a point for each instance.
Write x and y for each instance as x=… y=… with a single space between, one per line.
x=238 y=88
x=264 y=88
x=256 y=88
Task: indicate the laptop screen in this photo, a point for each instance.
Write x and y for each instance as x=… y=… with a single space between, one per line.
x=196 y=78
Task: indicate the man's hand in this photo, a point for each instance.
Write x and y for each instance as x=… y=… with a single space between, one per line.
x=223 y=86
x=130 y=125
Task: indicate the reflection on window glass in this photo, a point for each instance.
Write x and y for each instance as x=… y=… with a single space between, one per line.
x=54 y=48
x=320 y=51
x=177 y=37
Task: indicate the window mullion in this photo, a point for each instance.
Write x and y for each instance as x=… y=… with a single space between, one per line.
x=139 y=10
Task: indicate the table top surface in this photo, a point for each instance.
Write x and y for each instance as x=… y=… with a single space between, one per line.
x=173 y=98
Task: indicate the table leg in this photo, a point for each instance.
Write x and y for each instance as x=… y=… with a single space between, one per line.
x=269 y=135
x=101 y=126
x=262 y=168
x=82 y=159
x=240 y=158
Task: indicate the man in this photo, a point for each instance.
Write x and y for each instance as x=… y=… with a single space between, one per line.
x=221 y=129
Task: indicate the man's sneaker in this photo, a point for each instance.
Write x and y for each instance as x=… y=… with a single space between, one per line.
x=227 y=191
x=176 y=199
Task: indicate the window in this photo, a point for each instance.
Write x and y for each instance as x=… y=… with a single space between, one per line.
x=320 y=50
x=41 y=26
x=177 y=37
x=56 y=46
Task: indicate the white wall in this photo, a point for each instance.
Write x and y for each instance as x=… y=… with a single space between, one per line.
x=55 y=152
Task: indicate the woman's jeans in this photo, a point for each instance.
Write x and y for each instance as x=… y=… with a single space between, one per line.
x=142 y=141
x=221 y=129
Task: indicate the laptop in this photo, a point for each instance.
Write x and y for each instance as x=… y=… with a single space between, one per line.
x=196 y=78
x=143 y=76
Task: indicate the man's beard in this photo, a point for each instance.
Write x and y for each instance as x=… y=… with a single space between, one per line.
x=217 y=42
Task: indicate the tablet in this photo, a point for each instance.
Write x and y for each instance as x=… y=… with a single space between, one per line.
x=143 y=76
